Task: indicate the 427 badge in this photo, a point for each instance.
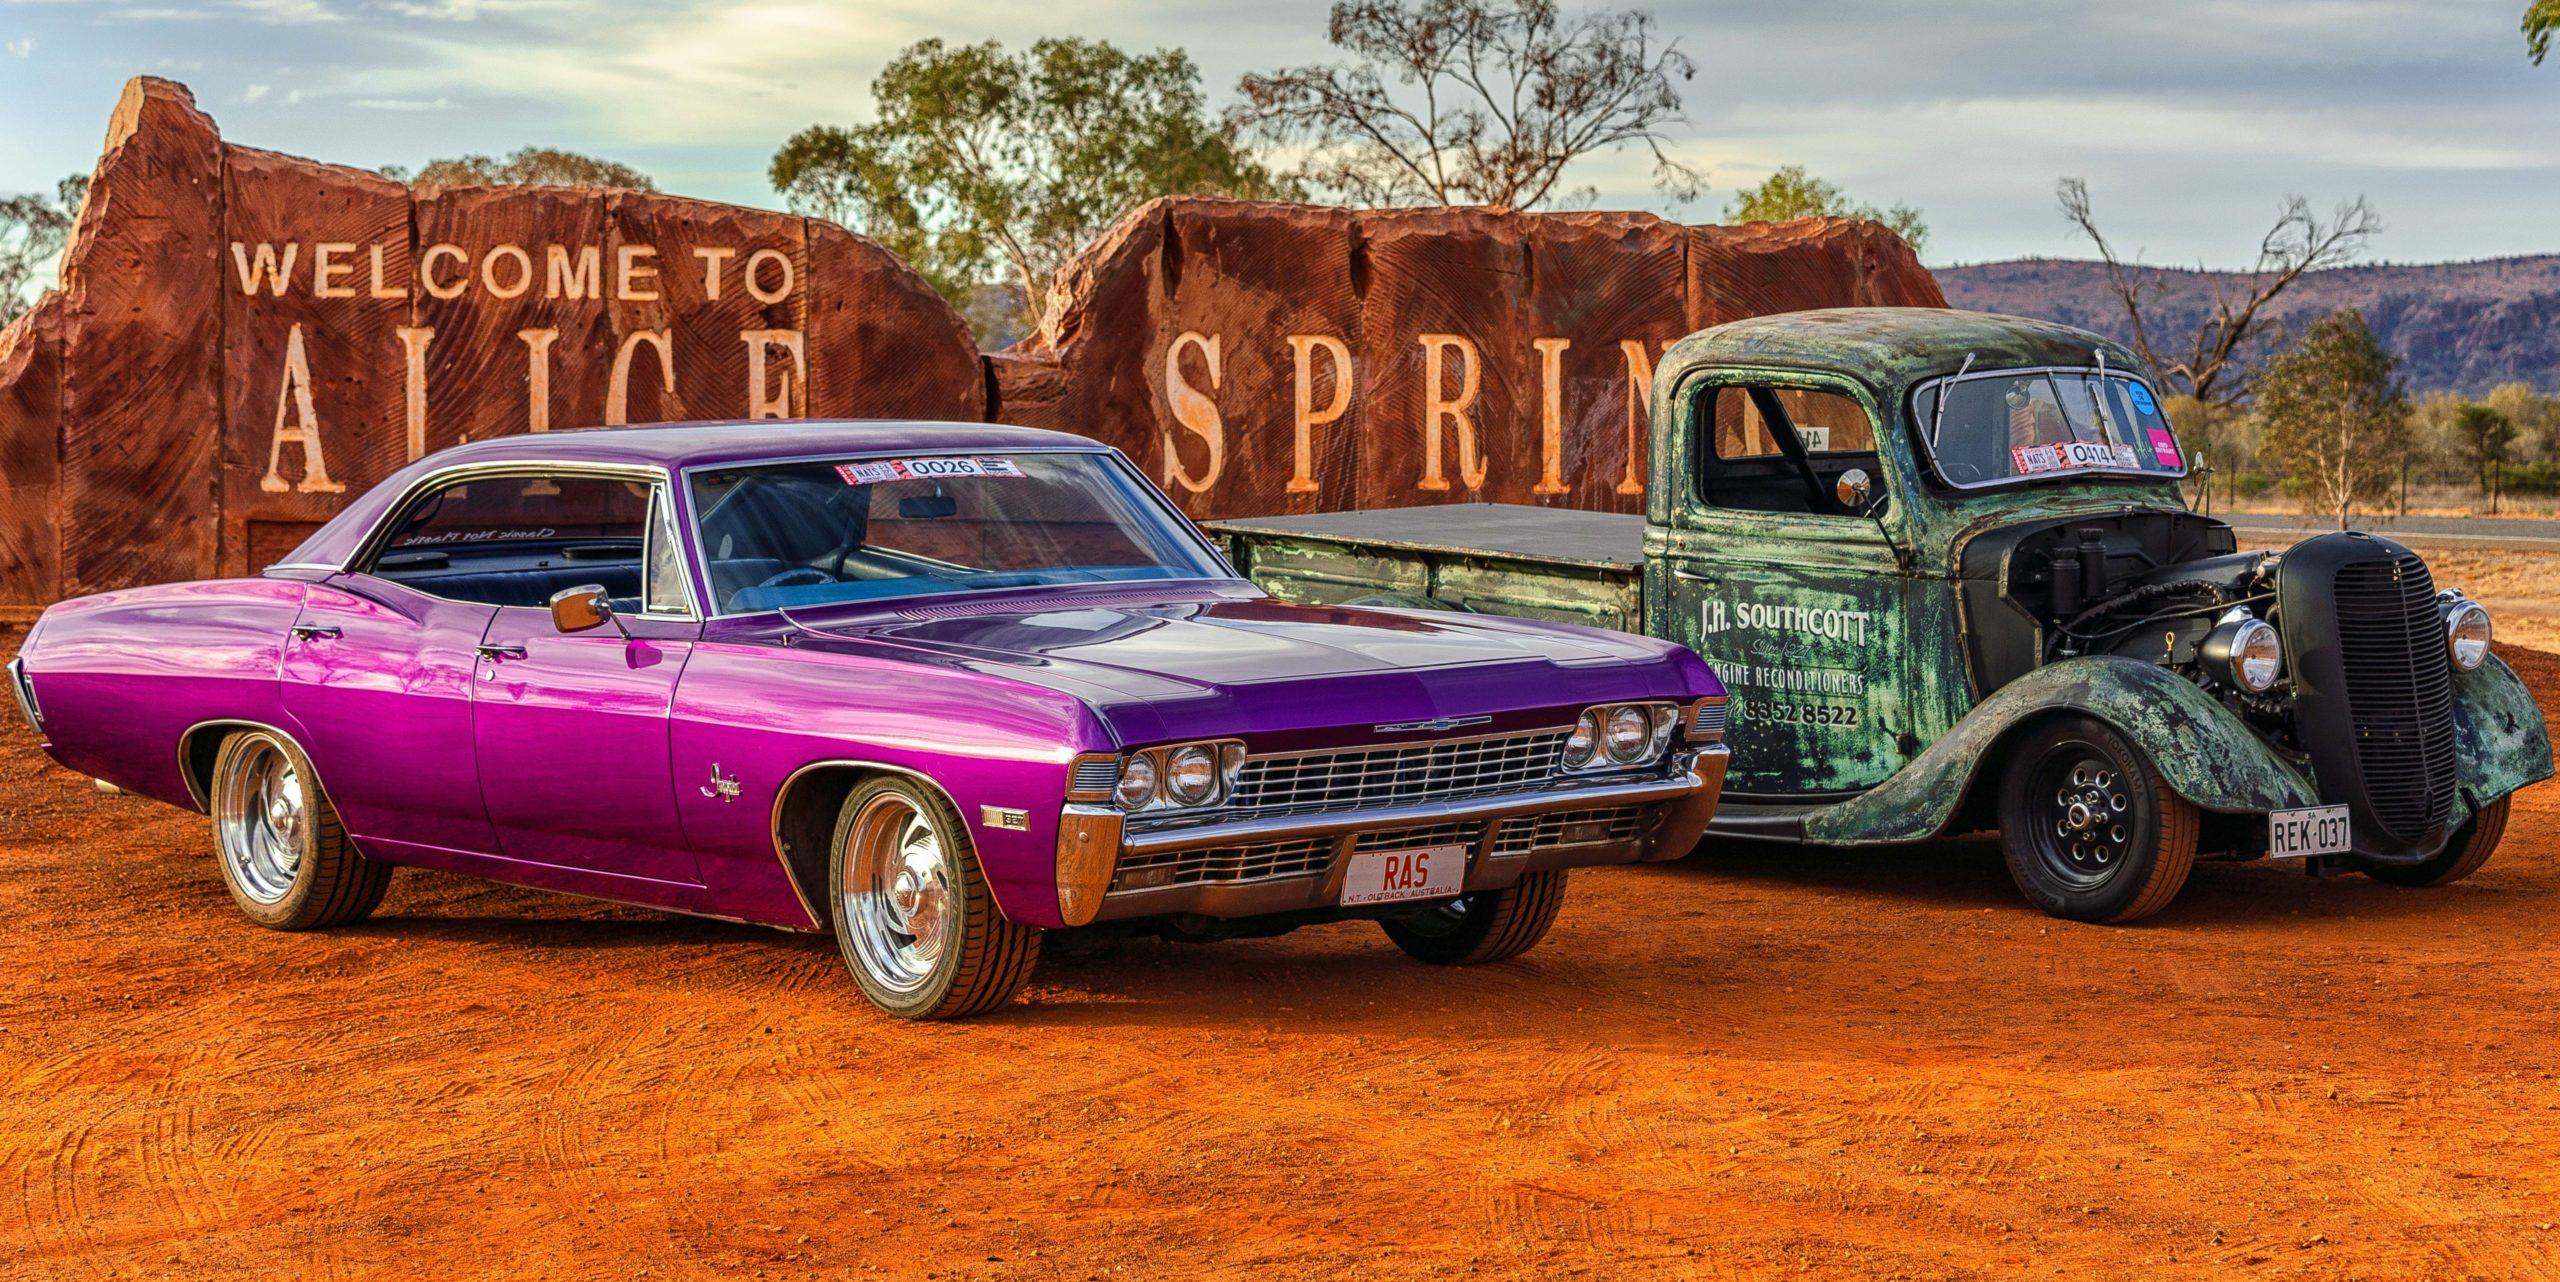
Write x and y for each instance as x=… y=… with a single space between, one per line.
x=875 y=471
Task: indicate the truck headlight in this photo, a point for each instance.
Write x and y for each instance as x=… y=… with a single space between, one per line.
x=1621 y=735
x=2246 y=648
x=2466 y=630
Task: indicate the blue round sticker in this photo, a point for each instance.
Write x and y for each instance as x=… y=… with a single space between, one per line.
x=2142 y=398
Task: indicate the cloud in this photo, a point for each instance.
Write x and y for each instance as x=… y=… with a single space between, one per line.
x=255 y=93
x=288 y=13
x=402 y=104
x=22 y=46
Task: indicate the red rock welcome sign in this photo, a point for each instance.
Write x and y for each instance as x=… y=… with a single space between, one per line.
x=243 y=339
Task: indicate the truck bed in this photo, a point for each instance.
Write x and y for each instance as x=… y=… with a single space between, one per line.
x=1499 y=558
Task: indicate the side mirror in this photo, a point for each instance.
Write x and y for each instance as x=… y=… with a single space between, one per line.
x=1854 y=489
x=581 y=608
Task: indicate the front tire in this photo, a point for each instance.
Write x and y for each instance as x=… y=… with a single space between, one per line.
x=1487 y=926
x=2090 y=829
x=284 y=855
x=913 y=916
x=2471 y=846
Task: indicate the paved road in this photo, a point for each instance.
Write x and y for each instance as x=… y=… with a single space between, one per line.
x=2540 y=534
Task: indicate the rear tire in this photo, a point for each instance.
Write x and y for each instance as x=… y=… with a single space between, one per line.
x=284 y=855
x=2471 y=846
x=2090 y=829
x=1487 y=926
x=913 y=916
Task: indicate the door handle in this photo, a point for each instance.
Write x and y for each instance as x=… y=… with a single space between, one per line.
x=1692 y=576
x=501 y=651
x=316 y=632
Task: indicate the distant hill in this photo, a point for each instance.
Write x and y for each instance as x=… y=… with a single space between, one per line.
x=2463 y=327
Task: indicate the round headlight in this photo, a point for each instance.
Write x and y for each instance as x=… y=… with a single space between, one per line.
x=2257 y=657
x=1191 y=774
x=2466 y=633
x=1628 y=732
x=1137 y=784
x=1584 y=743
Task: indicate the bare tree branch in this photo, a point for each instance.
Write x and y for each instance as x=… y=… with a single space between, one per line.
x=2300 y=241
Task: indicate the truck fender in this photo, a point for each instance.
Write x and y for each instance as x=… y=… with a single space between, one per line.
x=2205 y=752
x=2500 y=742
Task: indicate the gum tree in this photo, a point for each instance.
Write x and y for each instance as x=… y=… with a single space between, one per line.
x=2335 y=415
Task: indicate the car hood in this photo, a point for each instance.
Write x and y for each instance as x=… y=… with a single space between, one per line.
x=1197 y=669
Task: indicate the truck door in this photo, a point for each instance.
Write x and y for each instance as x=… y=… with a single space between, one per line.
x=1797 y=596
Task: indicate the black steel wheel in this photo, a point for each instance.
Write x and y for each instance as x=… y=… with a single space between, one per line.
x=2090 y=830
x=1487 y=926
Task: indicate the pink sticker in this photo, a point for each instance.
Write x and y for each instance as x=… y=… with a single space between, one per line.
x=875 y=471
x=2165 y=448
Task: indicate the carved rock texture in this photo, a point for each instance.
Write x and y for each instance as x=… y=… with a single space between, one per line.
x=242 y=340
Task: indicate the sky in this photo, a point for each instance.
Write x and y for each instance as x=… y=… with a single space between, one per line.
x=2190 y=119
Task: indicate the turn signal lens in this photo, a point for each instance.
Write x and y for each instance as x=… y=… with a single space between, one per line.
x=1191 y=773
x=2466 y=632
x=1137 y=782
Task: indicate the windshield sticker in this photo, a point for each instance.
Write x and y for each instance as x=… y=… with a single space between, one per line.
x=2066 y=455
x=875 y=471
x=2141 y=398
x=2165 y=448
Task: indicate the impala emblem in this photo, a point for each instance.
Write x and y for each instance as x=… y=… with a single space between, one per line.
x=725 y=787
x=1433 y=726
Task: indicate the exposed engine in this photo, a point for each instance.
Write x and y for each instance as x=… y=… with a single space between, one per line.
x=2339 y=650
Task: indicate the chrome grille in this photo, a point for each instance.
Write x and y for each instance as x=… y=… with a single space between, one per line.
x=1364 y=777
x=1419 y=838
x=2399 y=689
x=1530 y=833
x=1297 y=857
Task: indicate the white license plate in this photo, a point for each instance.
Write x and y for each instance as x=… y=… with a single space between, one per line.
x=2297 y=834
x=1387 y=876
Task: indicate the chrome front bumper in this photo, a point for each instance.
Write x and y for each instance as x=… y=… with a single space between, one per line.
x=1650 y=819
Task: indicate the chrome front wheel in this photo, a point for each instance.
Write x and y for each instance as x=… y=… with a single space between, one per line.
x=913 y=916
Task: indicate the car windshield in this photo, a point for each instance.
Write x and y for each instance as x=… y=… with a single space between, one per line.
x=790 y=535
x=2011 y=425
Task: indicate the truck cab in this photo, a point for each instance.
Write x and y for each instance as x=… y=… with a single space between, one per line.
x=1943 y=562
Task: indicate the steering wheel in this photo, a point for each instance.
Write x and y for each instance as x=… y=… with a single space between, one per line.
x=798 y=576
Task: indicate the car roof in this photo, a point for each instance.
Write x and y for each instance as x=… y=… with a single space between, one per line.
x=1890 y=348
x=681 y=445
x=674 y=446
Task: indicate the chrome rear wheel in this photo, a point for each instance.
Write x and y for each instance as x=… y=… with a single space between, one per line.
x=260 y=817
x=277 y=839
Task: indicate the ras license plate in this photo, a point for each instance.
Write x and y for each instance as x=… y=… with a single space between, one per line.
x=2295 y=834
x=1386 y=876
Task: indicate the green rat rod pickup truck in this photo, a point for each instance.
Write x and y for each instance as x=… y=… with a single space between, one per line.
x=1943 y=562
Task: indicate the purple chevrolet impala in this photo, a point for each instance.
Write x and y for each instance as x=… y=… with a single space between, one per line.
x=938 y=688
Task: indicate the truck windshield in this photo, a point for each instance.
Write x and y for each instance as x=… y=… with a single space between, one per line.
x=2012 y=425
x=794 y=535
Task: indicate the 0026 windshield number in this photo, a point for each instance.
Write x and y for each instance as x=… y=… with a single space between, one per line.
x=1797 y=714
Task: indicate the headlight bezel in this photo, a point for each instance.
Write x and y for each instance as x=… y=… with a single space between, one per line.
x=1592 y=749
x=2458 y=610
x=1157 y=766
x=2242 y=645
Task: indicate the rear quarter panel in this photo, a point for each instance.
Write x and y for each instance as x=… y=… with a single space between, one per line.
x=123 y=675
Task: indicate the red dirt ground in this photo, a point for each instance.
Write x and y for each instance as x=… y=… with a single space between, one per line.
x=1877 y=1065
